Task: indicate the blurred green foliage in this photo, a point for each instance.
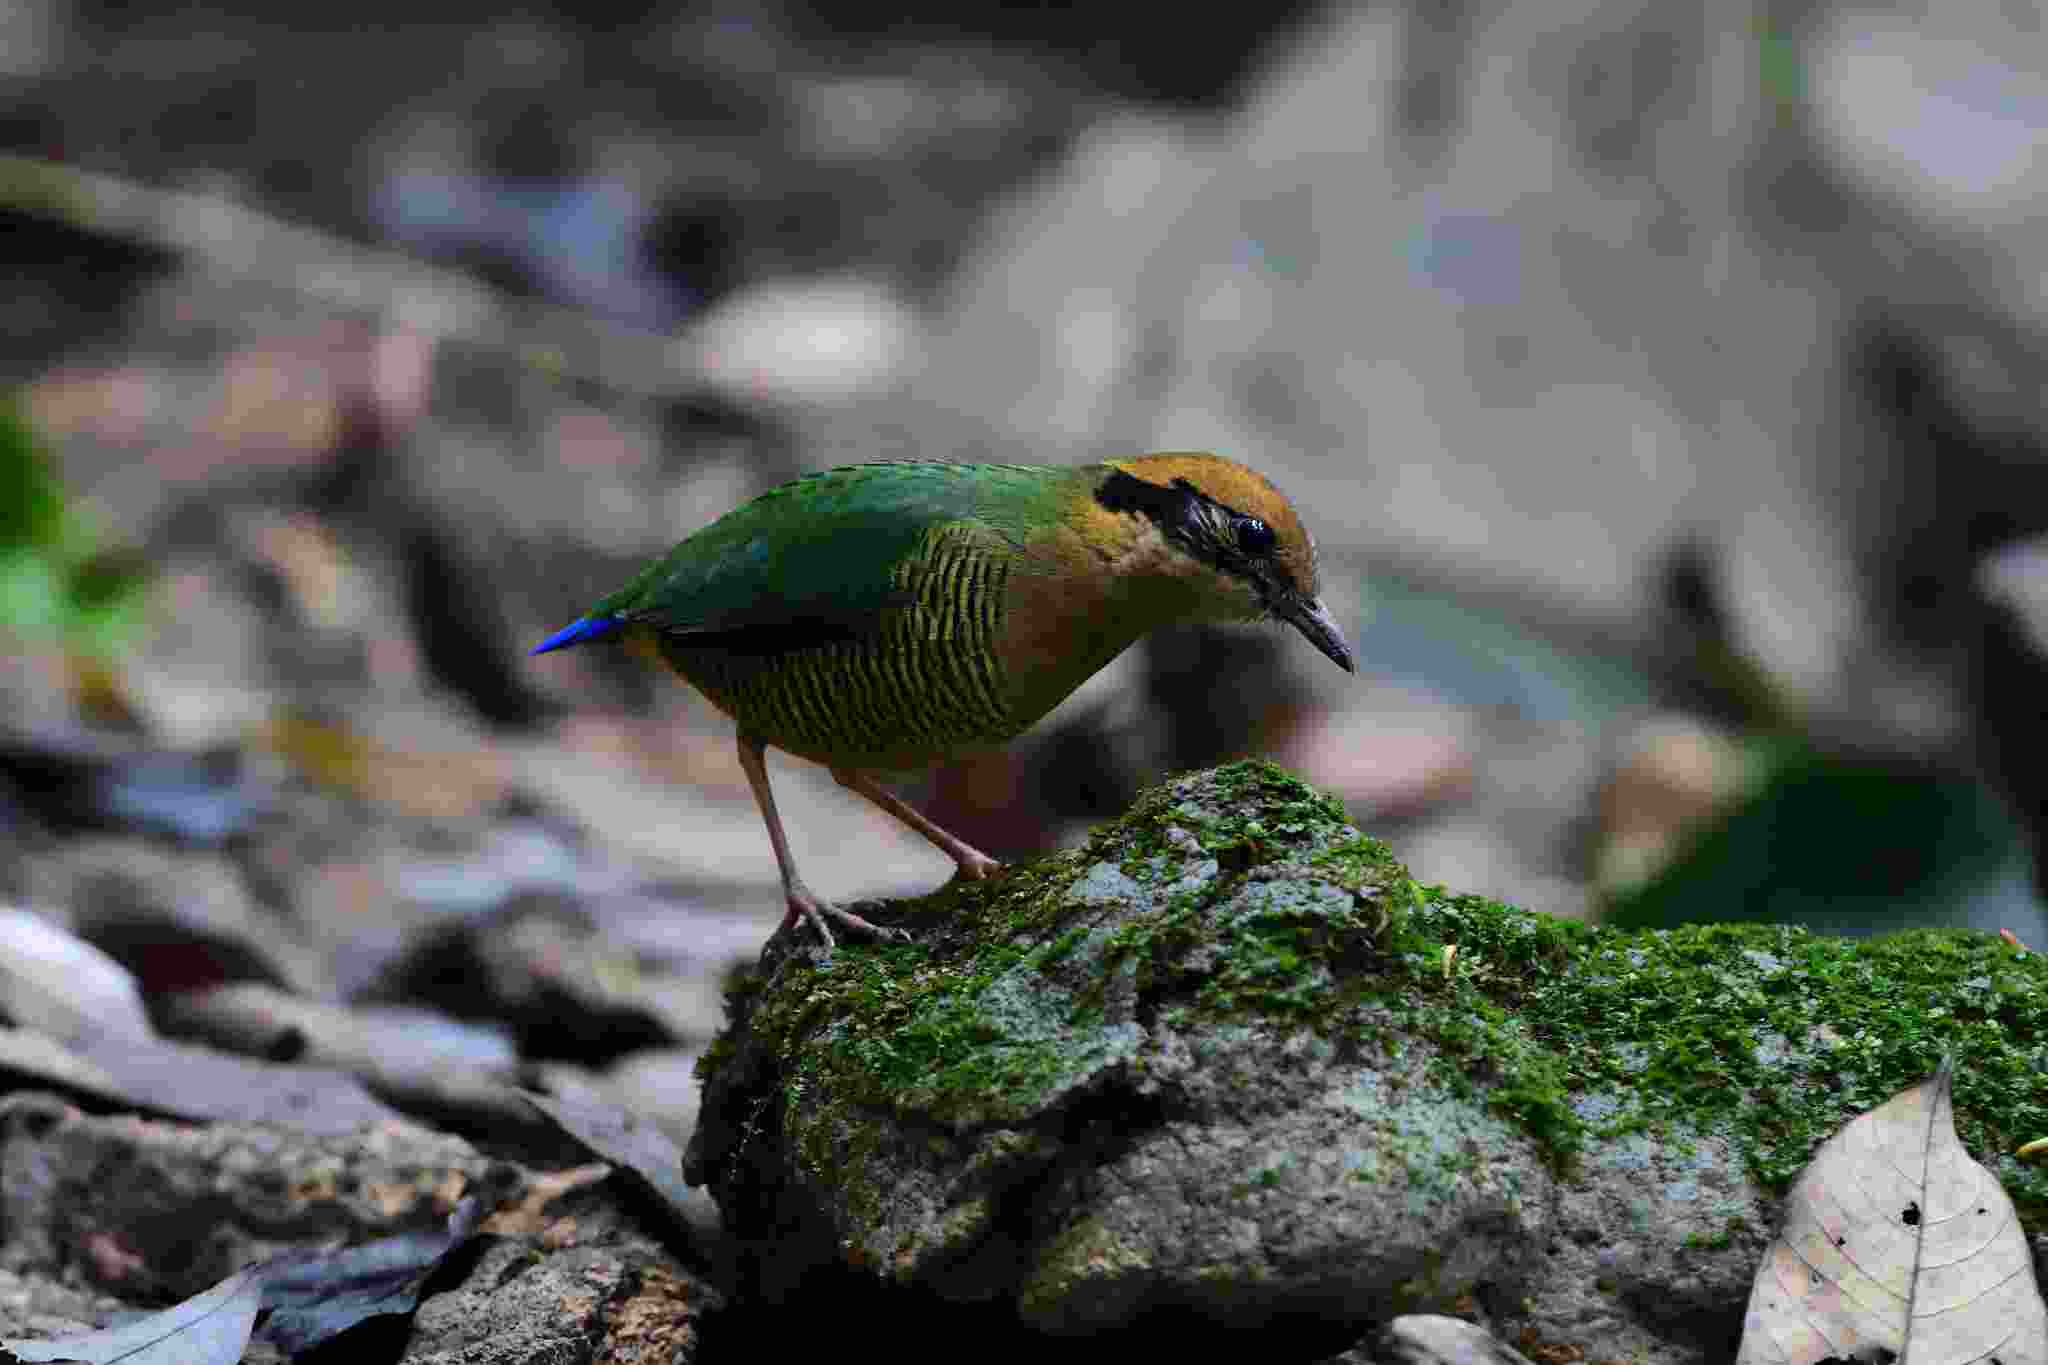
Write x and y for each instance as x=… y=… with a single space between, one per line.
x=1837 y=843
x=57 y=579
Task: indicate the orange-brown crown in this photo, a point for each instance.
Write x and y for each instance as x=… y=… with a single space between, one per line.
x=1239 y=490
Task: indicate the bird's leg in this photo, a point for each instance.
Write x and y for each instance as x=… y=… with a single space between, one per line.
x=974 y=865
x=798 y=896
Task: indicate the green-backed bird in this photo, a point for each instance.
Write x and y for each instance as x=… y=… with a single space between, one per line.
x=880 y=617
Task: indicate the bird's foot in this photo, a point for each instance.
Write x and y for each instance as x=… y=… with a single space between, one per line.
x=977 y=868
x=803 y=905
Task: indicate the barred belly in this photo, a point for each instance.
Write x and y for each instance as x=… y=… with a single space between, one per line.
x=923 y=681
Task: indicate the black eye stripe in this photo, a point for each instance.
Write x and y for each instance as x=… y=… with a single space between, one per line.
x=1176 y=510
x=1213 y=532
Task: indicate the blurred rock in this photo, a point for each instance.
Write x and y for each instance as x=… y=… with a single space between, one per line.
x=199 y=1085
x=73 y=780
x=202 y=674
x=568 y=1273
x=62 y=986
x=261 y=1021
x=816 y=342
x=74 y=1178
x=1431 y=1339
x=539 y=967
x=2015 y=577
x=1940 y=117
x=662 y=1084
x=1041 y=335
x=32 y=34
x=176 y=919
x=577 y=240
x=1386 y=764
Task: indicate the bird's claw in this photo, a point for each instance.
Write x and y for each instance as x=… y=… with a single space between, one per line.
x=977 y=869
x=816 y=912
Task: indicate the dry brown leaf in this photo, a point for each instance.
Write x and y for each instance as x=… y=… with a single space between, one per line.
x=1897 y=1245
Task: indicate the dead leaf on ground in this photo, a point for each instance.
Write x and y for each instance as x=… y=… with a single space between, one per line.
x=312 y=1298
x=210 y=1328
x=316 y=1296
x=1897 y=1245
x=197 y=1083
x=631 y=1142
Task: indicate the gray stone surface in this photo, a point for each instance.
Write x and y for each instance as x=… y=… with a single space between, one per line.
x=105 y=1213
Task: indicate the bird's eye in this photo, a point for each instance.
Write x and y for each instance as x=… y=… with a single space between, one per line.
x=1254 y=537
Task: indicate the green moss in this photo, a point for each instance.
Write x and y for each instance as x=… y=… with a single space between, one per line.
x=1241 y=897
x=1766 y=1034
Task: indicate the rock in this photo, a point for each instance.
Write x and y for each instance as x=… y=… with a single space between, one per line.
x=156 y=1211
x=1228 y=1060
x=177 y=918
x=1117 y=1084
x=75 y=779
x=541 y=967
x=262 y=1021
x=592 y=1286
x=1432 y=1339
x=812 y=343
x=62 y=985
x=152 y=1209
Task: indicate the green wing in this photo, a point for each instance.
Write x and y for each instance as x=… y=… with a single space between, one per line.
x=818 y=558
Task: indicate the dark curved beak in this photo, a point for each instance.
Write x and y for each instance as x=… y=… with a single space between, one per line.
x=1313 y=619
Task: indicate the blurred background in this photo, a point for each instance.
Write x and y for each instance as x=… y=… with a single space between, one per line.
x=1662 y=383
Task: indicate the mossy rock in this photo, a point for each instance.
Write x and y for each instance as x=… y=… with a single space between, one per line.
x=1230 y=1057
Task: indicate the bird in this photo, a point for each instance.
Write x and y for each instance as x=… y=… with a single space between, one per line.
x=877 y=618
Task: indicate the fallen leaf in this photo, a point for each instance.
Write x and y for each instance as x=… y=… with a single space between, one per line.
x=314 y=1297
x=210 y=1328
x=628 y=1141
x=1897 y=1245
x=196 y=1083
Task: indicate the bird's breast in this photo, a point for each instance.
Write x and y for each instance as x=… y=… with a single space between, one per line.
x=1071 y=606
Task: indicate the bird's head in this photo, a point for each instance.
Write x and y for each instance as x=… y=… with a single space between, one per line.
x=1232 y=537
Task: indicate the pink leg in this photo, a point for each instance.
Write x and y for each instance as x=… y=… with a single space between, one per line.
x=798 y=896
x=974 y=865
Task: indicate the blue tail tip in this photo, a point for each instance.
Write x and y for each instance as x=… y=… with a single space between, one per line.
x=576 y=632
